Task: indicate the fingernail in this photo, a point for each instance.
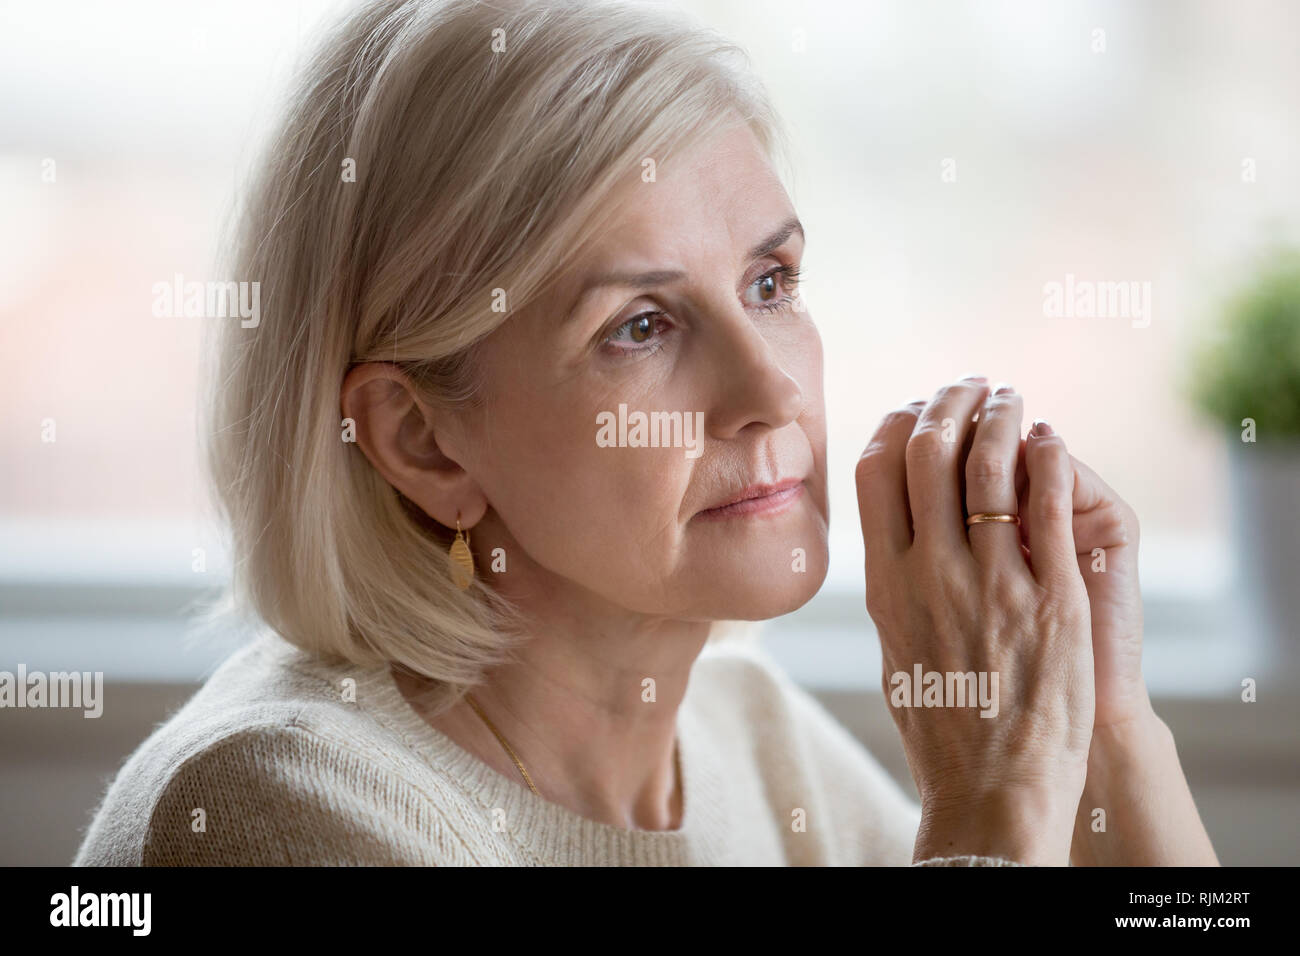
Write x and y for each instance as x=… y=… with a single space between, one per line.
x=973 y=377
x=1041 y=428
x=1003 y=389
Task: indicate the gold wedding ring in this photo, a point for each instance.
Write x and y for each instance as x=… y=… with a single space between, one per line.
x=984 y=516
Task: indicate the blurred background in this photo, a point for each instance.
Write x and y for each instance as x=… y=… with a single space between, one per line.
x=952 y=161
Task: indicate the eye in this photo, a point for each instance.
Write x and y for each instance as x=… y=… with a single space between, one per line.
x=632 y=334
x=773 y=294
x=641 y=334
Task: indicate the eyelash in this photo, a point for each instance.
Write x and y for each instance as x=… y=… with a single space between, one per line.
x=791 y=276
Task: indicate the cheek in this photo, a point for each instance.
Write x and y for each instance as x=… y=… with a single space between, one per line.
x=604 y=517
x=813 y=356
x=808 y=369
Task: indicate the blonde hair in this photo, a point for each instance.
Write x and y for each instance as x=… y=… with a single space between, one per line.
x=487 y=140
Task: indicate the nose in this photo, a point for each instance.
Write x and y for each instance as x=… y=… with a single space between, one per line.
x=751 y=386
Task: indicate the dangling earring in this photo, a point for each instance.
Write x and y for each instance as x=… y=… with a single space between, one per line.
x=462 y=561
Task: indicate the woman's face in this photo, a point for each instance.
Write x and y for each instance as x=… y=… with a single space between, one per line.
x=582 y=502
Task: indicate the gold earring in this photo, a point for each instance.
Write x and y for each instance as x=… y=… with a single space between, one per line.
x=462 y=561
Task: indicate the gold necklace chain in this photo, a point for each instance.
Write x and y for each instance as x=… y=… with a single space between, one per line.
x=496 y=733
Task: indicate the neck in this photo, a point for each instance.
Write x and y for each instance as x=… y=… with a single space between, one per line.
x=589 y=706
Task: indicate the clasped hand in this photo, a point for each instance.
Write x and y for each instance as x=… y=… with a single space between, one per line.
x=1045 y=612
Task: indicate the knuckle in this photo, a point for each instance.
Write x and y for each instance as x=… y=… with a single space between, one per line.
x=900 y=419
x=986 y=467
x=1058 y=608
x=1131 y=524
x=926 y=446
x=1119 y=524
x=1002 y=406
x=872 y=464
x=925 y=557
x=1001 y=585
x=1112 y=527
x=1055 y=506
x=955 y=389
x=939 y=580
x=1052 y=448
x=875 y=456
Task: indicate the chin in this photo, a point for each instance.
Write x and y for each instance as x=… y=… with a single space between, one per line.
x=754 y=596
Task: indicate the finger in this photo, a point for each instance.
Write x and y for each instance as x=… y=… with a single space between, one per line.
x=1097 y=510
x=991 y=480
x=934 y=464
x=1022 y=476
x=881 y=478
x=1090 y=491
x=1022 y=493
x=1051 y=509
x=1022 y=497
x=963 y=455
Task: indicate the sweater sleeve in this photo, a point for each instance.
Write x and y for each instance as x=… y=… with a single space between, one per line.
x=283 y=795
x=967 y=861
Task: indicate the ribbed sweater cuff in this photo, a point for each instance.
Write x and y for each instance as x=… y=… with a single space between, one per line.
x=968 y=861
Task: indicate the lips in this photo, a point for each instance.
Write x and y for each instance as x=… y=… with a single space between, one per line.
x=756 y=498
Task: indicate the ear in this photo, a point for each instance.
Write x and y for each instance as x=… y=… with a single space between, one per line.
x=397 y=432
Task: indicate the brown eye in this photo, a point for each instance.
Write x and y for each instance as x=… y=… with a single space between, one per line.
x=647 y=329
x=642 y=328
x=776 y=290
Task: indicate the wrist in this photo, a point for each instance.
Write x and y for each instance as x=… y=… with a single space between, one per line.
x=1126 y=745
x=1136 y=808
x=1026 y=826
x=1121 y=758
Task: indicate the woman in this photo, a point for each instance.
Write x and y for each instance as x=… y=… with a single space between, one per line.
x=533 y=405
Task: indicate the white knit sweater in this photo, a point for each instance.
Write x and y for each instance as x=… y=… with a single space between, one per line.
x=271 y=763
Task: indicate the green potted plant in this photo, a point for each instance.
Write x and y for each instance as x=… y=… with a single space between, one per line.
x=1246 y=377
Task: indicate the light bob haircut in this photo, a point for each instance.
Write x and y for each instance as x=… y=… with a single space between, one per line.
x=488 y=140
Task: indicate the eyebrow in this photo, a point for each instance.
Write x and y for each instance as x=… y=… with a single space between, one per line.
x=660 y=277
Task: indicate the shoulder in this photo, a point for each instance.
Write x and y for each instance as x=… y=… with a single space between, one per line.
x=740 y=677
x=743 y=664
x=806 y=757
x=738 y=681
x=285 y=795
x=267 y=764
